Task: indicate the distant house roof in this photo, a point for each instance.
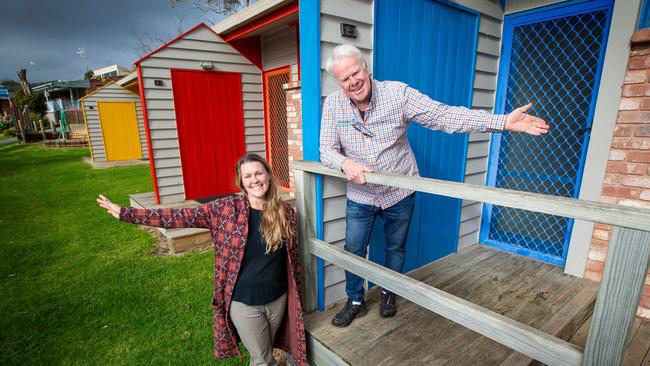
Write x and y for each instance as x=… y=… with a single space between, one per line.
x=117 y=69
x=52 y=86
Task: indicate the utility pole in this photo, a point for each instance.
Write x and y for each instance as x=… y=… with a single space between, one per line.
x=81 y=51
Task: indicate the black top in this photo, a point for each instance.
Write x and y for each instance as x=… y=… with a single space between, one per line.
x=262 y=277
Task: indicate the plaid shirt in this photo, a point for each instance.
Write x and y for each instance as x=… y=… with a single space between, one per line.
x=379 y=140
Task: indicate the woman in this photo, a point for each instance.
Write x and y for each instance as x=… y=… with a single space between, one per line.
x=256 y=269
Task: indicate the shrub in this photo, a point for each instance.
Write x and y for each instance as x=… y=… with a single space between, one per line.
x=11 y=132
x=6 y=123
x=35 y=102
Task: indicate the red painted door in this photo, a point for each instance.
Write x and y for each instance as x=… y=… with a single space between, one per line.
x=210 y=122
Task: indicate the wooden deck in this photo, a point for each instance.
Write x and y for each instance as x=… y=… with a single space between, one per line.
x=531 y=292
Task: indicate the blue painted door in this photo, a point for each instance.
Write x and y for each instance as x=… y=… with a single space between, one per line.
x=552 y=58
x=431 y=46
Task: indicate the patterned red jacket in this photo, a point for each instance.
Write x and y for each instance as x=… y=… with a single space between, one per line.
x=227 y=219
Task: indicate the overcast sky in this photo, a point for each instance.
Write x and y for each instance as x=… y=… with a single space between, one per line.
x=43 y=36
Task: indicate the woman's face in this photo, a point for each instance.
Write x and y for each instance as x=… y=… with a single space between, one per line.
x=255 y=179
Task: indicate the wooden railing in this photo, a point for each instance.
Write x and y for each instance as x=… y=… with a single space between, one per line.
x=618 y=297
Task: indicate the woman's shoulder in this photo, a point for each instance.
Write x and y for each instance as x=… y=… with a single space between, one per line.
x=228 y=200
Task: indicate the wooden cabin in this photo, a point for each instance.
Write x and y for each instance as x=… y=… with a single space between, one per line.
x=230 y=78
x=114 y=124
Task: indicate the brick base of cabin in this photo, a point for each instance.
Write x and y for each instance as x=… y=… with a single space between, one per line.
x=627 y=177
x=294 y=128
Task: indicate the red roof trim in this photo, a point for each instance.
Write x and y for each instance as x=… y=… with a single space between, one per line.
x=263 y=21
x=176 y=39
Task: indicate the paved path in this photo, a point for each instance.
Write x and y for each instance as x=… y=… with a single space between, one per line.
x=9 y=141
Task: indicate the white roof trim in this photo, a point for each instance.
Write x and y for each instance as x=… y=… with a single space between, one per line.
x=252 y=12
x=128 y=78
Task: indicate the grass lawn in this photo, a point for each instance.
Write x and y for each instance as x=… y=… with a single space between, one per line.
x=79 y=287
x=3 y=137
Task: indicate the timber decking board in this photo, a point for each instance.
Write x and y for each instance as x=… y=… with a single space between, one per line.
x=529 y=291
x=485 y=292
x=440 y=273
x=637 y=347
x=510 y=302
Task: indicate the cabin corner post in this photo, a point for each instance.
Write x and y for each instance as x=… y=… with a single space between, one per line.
x=625 y=271
x=306 y=209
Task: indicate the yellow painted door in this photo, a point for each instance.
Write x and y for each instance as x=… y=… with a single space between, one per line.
x=120 y=129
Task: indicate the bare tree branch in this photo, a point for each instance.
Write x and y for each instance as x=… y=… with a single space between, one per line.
x=146 y=42
x=216 y=7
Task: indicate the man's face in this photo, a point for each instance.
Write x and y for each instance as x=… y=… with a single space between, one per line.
x=352 y=76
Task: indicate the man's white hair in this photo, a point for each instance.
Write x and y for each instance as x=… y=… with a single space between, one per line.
x=343 y=51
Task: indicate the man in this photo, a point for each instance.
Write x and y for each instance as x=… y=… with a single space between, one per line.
x=363 y=129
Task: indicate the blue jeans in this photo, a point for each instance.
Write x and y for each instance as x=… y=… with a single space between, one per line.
x=359 y=219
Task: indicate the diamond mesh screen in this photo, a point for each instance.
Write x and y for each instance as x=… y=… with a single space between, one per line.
x=555 y=64
x=277 y=112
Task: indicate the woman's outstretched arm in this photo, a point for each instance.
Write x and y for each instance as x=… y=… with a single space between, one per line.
x=161 y=217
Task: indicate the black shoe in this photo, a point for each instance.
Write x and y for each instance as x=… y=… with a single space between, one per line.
x=387 y=308
x=344 y=317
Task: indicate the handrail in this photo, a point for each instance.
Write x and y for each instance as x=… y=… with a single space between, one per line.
x=628 y=259
x=606 y=213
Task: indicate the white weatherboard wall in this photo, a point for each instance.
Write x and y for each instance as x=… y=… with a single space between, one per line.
x=202 y=44
x=110 y=93
x=279 y=48
x=361 y=13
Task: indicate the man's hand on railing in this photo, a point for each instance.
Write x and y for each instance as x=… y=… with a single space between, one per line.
x=355 y=172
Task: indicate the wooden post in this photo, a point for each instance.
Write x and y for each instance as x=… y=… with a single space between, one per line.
x=618 y=297
x=40 y=124
x=305 y=206
x=21 y=131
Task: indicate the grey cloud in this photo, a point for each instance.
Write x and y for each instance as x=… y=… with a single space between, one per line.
x=49 y=33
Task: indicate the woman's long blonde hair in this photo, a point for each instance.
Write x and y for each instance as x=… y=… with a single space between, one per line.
x=275 y=220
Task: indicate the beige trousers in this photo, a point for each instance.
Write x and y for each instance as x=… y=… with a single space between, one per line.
x=257 y=325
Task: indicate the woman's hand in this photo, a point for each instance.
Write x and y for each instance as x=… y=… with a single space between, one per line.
x=110 y=207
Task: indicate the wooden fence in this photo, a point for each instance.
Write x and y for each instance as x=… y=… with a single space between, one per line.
x=618 y=297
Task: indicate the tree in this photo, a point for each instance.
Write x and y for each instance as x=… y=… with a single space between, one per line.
x=10 y=85
x=220 y=7
x=89 y=75
x=35 y=102
x=22 y=78
x=146 y=42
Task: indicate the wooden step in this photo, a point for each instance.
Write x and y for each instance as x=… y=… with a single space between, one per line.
x=83 y=142
x=177 y=240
